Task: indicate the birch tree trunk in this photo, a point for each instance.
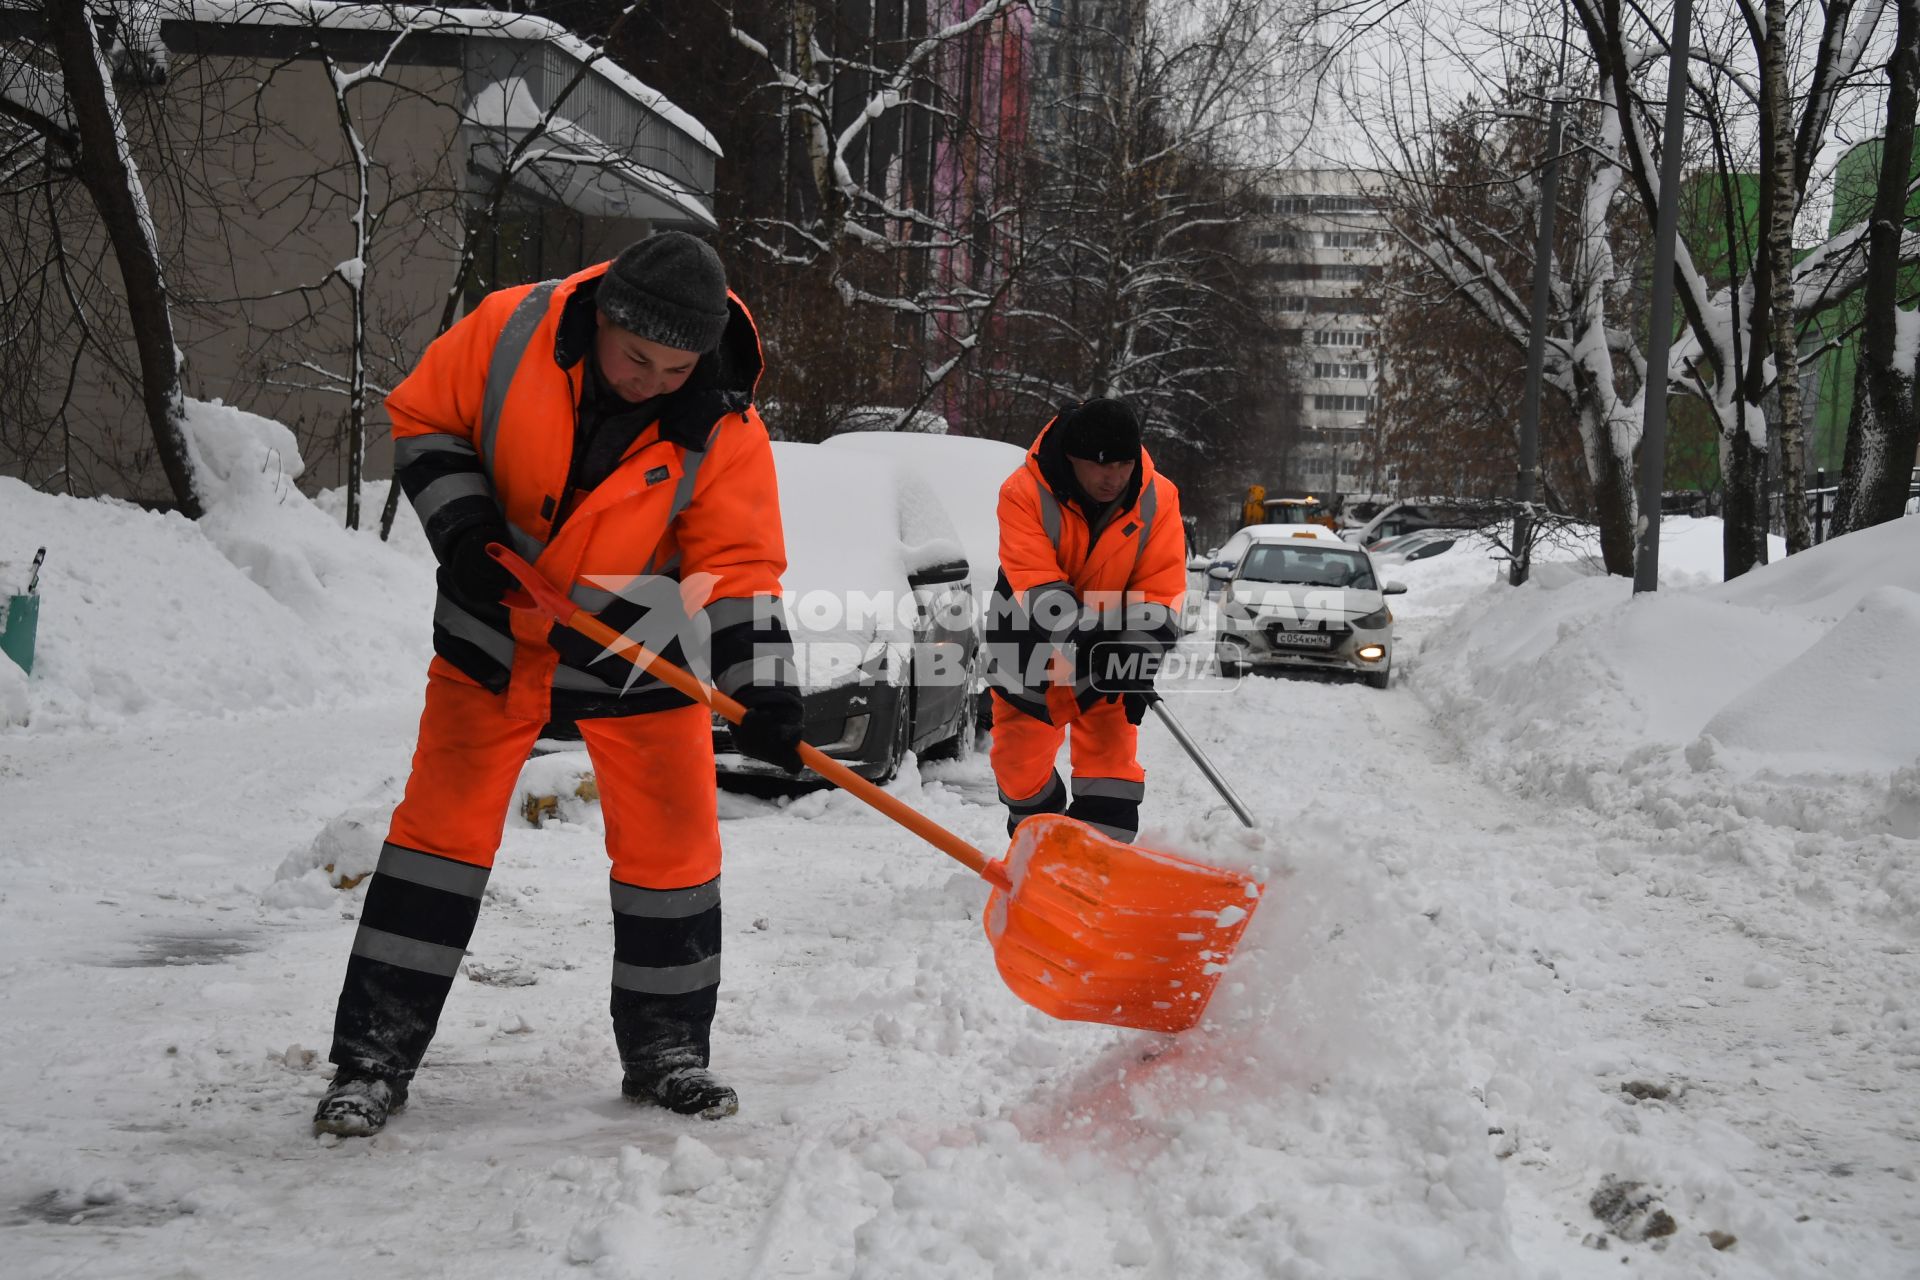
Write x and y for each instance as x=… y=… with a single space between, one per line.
x=1777 y=121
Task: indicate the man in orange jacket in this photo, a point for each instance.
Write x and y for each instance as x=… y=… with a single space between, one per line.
x=603 y=427
x=1092 y=569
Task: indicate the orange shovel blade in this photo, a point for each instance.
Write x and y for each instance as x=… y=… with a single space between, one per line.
x=1099 y=931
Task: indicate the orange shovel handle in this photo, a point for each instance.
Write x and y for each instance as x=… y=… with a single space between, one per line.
x=549 y=599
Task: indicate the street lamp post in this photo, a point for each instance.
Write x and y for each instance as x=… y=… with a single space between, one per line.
x=1653 y=434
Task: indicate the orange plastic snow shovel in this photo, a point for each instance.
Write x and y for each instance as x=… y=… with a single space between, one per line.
x=1083 y=927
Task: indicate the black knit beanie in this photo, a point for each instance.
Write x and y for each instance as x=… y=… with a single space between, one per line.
x=1101 y=431
x=669 y=288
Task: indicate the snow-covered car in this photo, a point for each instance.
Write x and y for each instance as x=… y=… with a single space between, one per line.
x=1423 y=545
x=1236 y=545
x=966 y=472
x=887 y=644
x=1416 y=514
x=1305 y=604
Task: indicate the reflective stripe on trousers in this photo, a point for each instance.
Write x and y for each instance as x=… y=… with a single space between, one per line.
x=1108 y=781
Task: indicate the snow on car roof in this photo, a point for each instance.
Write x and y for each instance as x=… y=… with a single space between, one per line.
x=856 y=526
x=966 y=472
x=1288 y=532
x=893 y=526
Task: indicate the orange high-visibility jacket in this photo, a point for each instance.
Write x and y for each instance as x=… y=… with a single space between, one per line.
x=484 y=429
x=1060 y=576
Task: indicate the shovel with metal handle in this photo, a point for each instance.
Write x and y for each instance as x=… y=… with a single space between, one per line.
x=1199 y=757
x=1083 y=927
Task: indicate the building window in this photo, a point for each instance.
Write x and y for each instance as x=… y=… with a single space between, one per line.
x=1345 y=303
x=1290 y=302
x=1342 y=338
x=1348 y=239
x=1342 y=204
x=1314 y=271
x=1280 y=240
x=1321 y=370
x=1343 y=404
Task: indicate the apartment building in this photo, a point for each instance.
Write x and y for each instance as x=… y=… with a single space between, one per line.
x=1322 y=242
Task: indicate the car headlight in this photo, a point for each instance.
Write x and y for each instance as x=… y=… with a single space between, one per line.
x=1379 y=618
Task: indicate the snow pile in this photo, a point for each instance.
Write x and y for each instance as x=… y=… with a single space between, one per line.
x=1846 y=704
x=1571 y=678
x=265 y=603
x=1765 y=722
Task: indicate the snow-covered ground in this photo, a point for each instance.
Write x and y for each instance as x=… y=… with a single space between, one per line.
x=1601 y=892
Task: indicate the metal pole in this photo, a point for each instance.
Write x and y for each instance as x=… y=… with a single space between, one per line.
x=1536 y=349
x=1199 y=757
x=1653 y=434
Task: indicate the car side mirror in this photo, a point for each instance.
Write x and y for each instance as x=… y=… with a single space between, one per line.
x=1220 y=573
x=936 y=575
x=1198 y=564
x=1394 y=589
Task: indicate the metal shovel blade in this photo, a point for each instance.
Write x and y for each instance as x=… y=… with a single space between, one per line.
x=1094 y=930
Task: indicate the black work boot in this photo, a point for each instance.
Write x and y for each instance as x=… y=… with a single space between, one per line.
x=666 y=982
x=416 y=921
x=688 y=1089
x=358 y=1103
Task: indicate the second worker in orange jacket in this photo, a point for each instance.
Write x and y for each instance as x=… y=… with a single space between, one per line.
x=1092 y=571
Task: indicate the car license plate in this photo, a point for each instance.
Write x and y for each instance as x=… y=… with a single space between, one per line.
x=1303 y=639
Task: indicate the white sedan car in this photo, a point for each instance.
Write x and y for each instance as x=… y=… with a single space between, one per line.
x=1236 y=546
x=1305 y=604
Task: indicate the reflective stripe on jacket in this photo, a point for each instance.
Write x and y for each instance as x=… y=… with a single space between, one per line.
x=681 y=539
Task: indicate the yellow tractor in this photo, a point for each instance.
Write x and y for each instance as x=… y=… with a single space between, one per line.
x=1300 y=508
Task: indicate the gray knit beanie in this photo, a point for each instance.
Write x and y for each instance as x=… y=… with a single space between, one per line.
x=669 y=288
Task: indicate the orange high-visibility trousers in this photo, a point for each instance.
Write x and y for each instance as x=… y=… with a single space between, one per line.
x=1108 y=782
x=655 y=773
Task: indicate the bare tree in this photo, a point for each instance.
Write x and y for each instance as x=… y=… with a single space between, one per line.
x=1885 y=430
x=1770 y=35
x=79 y=120
x=538 y=145
x=1151 y=154
x=1727 y=354
x=876 y=130
x=1465 y=194
x=1766 y=83
x=1445 y=400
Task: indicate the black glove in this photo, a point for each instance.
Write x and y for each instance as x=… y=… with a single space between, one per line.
x=1111 y=667
x=1106 y=670
x=1137 y=704
x=771 y=729
x=477 y=576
